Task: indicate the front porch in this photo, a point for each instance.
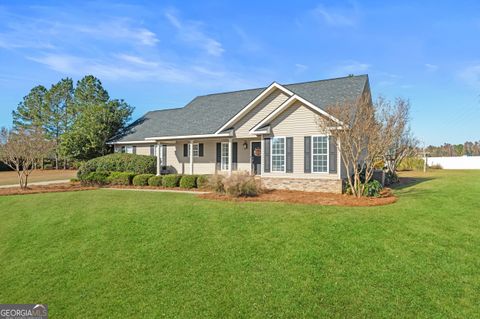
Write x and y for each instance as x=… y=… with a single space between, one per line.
x=209 y=156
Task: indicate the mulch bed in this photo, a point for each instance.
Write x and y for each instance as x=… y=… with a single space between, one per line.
x=157 y=187
x=313 y=198
x=52 y=188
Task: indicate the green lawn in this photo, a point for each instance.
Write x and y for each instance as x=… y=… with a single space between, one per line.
x=105 y=253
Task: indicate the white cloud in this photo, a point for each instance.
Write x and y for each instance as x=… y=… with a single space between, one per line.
x=191 y=32
x=300 y=67
x=337 y=17
x=471 y=75
x=431 y=67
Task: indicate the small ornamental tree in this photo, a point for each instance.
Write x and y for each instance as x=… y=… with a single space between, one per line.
x=365 y=132
x=22 y=149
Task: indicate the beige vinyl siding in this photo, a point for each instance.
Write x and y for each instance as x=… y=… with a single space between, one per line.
x=207 y=163
x=258 y=113
x=297 y=121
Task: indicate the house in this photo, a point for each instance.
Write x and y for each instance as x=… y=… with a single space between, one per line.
x=271 y=132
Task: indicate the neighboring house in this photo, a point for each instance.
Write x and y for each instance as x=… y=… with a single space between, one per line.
x=272 y=132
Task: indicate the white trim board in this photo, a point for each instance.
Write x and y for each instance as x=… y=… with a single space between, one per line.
x=184 y=137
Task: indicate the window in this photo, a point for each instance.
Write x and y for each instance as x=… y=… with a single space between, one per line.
x=320 y=154
x=278 y=154
x=129 y=149
x=122 y=150
x=224 y=157
x=196 y=150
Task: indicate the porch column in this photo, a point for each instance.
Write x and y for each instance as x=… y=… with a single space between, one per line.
x=190 y=147
x=230 y=148
x=159 y=162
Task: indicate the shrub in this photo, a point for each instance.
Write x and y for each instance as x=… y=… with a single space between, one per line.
x=215 y=183
x=171 y=180
x=155 y=181
x=435 y=166
x=188 y=181
x=95 y=178
x=119 y=162
x=391 y=178
x=121 y=178
x=202 y=181
x=241 y=185
x=372 y=188
x=74 y=180
x=142 y=179
x=410 y=164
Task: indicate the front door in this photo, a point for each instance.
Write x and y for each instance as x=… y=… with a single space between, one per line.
x=256 y=157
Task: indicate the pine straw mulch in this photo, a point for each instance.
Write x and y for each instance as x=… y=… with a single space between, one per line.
x=51 y=188
x=313 y=198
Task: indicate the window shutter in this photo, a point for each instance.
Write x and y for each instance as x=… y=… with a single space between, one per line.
x=219 y=154
x=307 y=154
x=185 y=150
x=332 y=155
x=266 y=155
x=200 y=149
x=289 y=155
x=152 y=150
x=134 y=149
x=234 y=155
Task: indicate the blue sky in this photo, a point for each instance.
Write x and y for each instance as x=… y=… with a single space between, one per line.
x=162 y=54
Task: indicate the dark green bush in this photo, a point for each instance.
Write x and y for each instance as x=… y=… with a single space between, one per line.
x=95 y=178
x=74 y=180
x=188 y=181
x=372 y=188
x=121 y=178
x=171 y=180
x=142 y=179
x=155 y=181
x=119 y=162
x=202 y=181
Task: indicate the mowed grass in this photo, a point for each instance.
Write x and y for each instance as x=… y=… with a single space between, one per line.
x=106 y=254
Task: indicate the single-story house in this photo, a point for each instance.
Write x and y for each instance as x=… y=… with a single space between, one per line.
x=272 y=132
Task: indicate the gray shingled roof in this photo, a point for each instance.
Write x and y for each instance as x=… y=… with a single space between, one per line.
x=206 y=114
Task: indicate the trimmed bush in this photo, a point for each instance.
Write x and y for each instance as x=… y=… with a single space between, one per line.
x=202 y=181
x=121 y=178
x=119 y=162
x=188 y=181
x=95 y=178
x=241 y=185
x=155 y=181
x=142 y=179
x=74 y=180
x=411 y=164
x=171 y=180
x=372 y=188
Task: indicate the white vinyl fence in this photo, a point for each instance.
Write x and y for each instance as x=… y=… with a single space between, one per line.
x=455 y=162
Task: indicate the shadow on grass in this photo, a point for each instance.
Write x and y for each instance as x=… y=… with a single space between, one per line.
x=410 y=181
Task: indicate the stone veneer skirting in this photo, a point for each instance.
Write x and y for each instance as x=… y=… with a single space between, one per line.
x=303 y=184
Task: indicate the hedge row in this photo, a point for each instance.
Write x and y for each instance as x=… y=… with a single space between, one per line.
x=119 y=162
x=129 y=178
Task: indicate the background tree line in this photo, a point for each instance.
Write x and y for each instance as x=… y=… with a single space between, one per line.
x=78 y=120
x=467 y=148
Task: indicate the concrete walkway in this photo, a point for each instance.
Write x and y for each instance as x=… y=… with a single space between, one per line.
x=60 y=181
x=156 y=190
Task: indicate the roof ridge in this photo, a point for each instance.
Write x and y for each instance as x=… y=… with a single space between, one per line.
x=331 y=79
x=236 y=91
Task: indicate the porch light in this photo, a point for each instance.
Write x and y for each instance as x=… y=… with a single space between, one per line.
x=245 y=145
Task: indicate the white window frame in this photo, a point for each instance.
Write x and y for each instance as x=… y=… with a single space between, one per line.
x=129 y=149
x=197 y=151
x=284 y=154
x=328 y=154
x=224 y=166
